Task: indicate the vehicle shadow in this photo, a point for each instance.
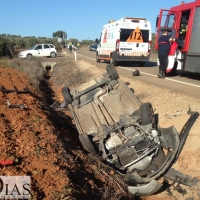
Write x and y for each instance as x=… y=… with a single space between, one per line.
x=185 y=74
x=132 y=64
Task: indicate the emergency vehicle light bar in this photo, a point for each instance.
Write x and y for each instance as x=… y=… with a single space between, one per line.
x=110 y=21
x=135 y=18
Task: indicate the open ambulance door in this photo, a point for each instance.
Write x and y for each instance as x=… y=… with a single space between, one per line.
x=166 y=20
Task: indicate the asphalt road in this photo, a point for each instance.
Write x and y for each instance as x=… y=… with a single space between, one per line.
x=183 y=82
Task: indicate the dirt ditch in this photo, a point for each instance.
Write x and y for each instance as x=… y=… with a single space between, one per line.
x=42 y=141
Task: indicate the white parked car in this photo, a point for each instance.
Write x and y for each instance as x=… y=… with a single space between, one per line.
x=39 y=50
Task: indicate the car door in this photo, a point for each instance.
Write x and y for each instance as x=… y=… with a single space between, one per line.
x=46 y=50
x=37 y=51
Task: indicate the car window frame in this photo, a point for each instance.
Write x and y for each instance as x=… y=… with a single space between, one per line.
x=38 y=46
x=46 y=45
x=53 y=47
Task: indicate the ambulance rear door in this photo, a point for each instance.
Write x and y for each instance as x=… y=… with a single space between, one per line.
x=135 y=42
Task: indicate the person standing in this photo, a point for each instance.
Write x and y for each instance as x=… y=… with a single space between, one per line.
x=78 y=45
x=70 y=46
x=163 y=51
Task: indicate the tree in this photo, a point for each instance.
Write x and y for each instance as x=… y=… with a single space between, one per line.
x=73 y=40
x=58 y=34
x=6 y=47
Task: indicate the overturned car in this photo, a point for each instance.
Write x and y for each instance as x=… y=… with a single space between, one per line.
x=113 y=123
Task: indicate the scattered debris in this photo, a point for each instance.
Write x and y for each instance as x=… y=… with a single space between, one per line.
x=9 y=105
x=59 y=106
x=190 y=112
x=6 y=162
x=177 y=113
x=25 y=91
x=136 y=73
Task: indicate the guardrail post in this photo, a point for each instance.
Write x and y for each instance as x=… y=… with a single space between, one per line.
x=75 y=54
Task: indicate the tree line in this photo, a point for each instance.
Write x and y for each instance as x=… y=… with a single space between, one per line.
x=11 y=45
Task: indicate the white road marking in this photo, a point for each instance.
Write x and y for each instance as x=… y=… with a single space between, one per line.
x=165 y=78
x=185 y=83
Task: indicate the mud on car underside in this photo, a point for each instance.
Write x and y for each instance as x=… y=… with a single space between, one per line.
x=113 y=123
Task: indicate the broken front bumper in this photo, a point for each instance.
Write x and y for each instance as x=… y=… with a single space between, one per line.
x=170 y=139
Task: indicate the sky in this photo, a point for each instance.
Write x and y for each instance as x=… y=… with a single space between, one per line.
x=80 y=19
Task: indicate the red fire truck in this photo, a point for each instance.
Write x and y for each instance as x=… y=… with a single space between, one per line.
x=182 y=22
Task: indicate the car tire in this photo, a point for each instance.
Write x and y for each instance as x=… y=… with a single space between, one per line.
x=142 y=64
x=112 y=61
x=112 y=71
x=97 y=57
x=86 y=143
x=53 y=54
x=29 y=56
x=66 y=95
x=147 y=114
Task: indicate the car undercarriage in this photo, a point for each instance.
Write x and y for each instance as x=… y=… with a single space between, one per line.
x=114 y=124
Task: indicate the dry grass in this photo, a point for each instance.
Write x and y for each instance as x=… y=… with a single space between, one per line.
x=70 y=74
x=32 y=68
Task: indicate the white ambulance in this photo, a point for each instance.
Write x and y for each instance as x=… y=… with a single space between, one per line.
x=128 y=39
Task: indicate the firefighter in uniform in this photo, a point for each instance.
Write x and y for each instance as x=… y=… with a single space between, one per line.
x=163 y=51
x=183 y=28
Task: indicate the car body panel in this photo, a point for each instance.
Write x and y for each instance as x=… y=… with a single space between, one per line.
x=46 y=50
x=116 y=103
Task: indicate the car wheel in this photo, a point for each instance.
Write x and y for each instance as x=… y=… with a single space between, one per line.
x=53 y=55
x=112 y=61
x=147 y=114
x=142 y=64
x=97 y=58
x=66 y=95
x=86 y=143
x=112 y=71
x=29 y=56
